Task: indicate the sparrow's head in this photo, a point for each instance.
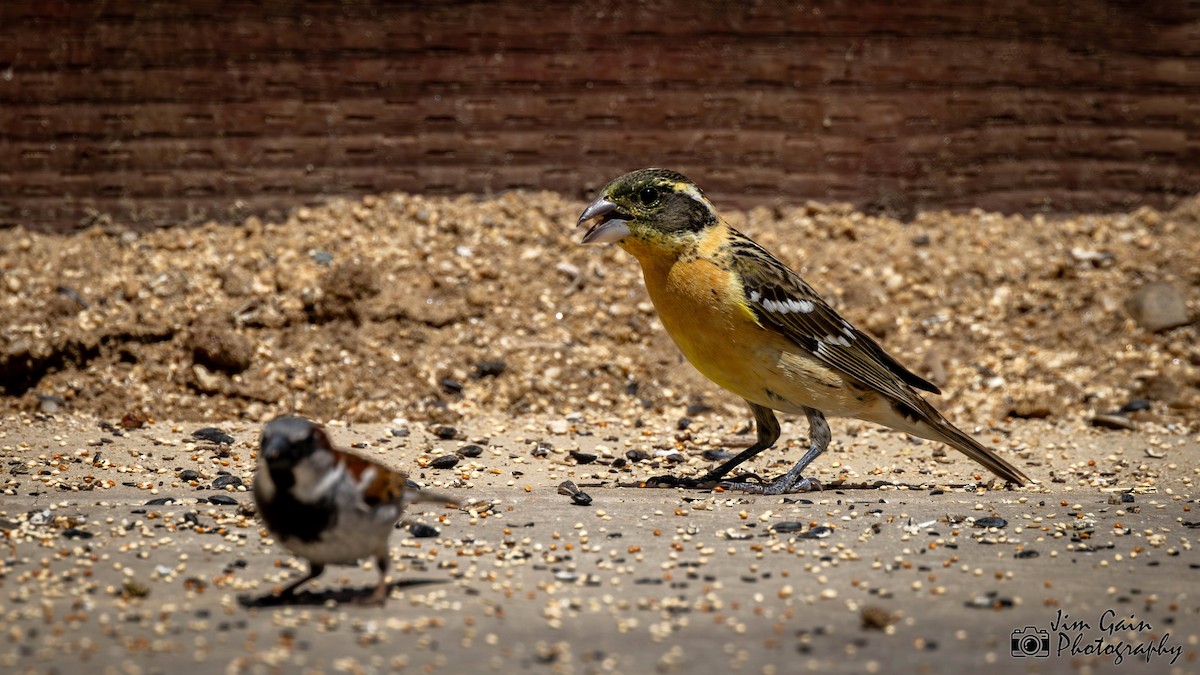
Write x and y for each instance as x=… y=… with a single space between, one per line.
x=288 y=440
x=651 y=206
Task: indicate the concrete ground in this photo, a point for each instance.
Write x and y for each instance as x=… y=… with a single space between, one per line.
x=115 y=560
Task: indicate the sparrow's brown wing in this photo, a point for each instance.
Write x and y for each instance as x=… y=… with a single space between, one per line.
x=385 y=487
x=388 y=486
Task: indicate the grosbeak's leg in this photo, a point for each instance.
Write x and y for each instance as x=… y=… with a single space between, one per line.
x=767 y=431
x=792 y=481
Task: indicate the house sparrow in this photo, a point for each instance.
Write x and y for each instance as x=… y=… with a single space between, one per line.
x=326 y=505
x=753 y=326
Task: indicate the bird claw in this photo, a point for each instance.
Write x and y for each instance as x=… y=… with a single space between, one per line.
x=780 y=486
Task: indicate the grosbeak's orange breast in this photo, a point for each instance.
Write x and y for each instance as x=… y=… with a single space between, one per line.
x=697 y=301
x=701 y=304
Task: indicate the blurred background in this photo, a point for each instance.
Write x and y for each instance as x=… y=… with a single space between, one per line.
x=363 y=210
x=145 y=114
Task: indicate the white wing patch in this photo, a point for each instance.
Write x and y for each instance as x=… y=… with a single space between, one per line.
x=364 y=480
x=368 y=475
x=327 y=482
x=837 y=340
x=784 y=306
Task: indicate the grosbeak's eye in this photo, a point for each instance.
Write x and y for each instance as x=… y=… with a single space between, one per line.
x=648 y=196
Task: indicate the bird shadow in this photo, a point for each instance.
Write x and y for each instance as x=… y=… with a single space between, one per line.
x=831 y=487
x=341 y=596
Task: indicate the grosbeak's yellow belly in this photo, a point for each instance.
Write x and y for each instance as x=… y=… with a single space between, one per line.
x=699 y=303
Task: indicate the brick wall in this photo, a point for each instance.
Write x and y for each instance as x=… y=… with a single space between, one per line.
x=152 y=113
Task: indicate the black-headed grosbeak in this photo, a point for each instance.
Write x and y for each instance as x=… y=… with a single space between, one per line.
x=754 y=327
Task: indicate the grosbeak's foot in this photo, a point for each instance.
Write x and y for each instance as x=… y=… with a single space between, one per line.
x=742 y=479
x=702 y=483
x=781 y=486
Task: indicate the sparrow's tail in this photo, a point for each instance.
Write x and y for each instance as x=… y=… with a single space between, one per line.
x=418 y=496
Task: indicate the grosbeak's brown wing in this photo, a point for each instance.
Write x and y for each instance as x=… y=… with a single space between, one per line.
x=783 y=302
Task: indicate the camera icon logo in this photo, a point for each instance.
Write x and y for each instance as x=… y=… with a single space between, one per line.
x=1030 y=641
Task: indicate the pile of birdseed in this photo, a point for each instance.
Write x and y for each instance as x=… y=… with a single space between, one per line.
x=431 y=309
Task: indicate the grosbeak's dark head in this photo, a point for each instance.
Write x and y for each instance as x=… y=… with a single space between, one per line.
x=288 y=440
x=649 y=206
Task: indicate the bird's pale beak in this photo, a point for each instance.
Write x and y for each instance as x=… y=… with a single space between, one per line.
x=611 y=225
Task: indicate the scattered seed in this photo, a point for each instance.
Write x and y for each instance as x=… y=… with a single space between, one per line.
x=213 y=435
x=445 y=432
x=423 y=531
x=875 y=618
x=1113 y=421
x=583 y=457
x=818 y=532
x=225 y=481
x=991 y=521
x=636 y=456
x=444 y=462
x=489 y=368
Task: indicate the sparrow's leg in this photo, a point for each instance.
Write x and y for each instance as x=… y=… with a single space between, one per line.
x=767 y=430
x=314 y=571
x=379 y=596
x=792 y=481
